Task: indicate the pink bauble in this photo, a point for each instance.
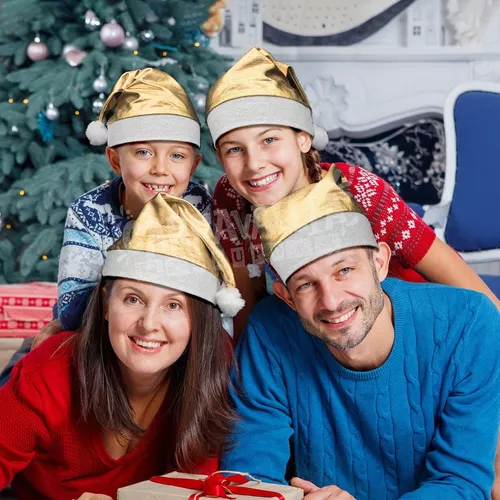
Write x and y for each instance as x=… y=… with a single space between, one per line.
x=112 y=34
x=37 y=51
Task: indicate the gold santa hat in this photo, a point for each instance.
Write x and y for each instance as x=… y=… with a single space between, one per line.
x=146 y=105
x=258 y=90
x=171 y=244
x=310 y=223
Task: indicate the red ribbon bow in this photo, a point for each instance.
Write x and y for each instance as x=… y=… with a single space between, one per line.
x=217 y=485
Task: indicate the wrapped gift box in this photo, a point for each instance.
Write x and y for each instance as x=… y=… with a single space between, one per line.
x=149 y=490
x=25 y=308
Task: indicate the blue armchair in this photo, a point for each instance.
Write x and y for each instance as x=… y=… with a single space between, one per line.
x=468 y=215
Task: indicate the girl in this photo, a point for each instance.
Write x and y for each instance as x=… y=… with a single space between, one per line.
x=142 y=387
x=261 y=125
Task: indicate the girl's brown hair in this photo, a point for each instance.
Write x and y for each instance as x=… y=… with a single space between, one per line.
x=201 y=413
x=311 y=161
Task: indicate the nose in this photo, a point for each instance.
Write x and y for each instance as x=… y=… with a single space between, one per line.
x=330 y=295
x=160 y=166
x=150 y=320
x=255 y=160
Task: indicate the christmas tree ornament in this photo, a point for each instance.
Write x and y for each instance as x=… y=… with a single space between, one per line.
x=14 y=129
x=98 y=103
x=73 y=55
x=147 y=36
x=131 y=43
x=37 y=50
x=52 y=113
x=171 y=21
x=202 y=85
x=199 y=101
x=100 y=84
x=112 y=34
x=92 y=22
x=46 y=127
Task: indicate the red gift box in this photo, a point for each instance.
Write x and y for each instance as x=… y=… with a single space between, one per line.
x=25 y=308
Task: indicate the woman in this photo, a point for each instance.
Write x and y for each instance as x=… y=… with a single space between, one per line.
x=261 y=125
x=142 y=389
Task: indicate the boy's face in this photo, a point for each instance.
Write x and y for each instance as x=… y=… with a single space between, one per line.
x=152 y=167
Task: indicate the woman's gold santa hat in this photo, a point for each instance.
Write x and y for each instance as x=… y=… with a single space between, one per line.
x=171 y=244
x=258 y=90
x=145 y=105
x=310 y=223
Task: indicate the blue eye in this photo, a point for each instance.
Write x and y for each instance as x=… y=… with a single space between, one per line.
x=270 y=140
x=233 y=150
x=143 y=153
x=177 y=156
x=345 y=270
x=305 y=286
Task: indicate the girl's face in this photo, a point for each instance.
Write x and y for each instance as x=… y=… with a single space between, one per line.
x=264 y=163
x=149 y=327
x=153 y=167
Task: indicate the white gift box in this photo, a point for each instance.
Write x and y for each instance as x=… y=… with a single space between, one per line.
x=149 y=490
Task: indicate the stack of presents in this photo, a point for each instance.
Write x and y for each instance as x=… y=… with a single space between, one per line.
x=25 y=309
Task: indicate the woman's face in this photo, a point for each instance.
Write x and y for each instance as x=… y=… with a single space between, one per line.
x=149 y=327
x=264 y=163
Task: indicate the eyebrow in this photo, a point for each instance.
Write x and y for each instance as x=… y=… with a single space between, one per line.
x=225 y=143
x=169 y=294
x=349 y=260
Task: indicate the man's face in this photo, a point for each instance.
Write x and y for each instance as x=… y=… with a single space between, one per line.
x=339 y=297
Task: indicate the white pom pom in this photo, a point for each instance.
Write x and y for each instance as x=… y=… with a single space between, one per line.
x=254 y=270
x=320 y=139
x=229 y=301
x=97 y=133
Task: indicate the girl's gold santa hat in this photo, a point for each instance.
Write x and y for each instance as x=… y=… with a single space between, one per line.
x=310 y=223
x=145 y=105
x=258 y=90
x=171 y=244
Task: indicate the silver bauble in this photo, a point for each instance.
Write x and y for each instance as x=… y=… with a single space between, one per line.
x=171 y=21
x=202 y=85
x=98 y=104
x=52 y=113
x=147 y=36
x=100 y=84
x=14 y=129
x=131 y=43
x=199 y=101
x=112 y=34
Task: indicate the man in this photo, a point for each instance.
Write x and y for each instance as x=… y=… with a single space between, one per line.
x=363 y=387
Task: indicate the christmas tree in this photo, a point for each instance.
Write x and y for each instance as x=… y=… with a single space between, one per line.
x=58 y=61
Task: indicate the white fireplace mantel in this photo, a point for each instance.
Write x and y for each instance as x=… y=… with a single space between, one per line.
x=365 y=89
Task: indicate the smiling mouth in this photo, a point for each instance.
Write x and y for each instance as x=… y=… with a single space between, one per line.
x=147 y=344
x=341 y=319
x=159 y=188
x=265 y=181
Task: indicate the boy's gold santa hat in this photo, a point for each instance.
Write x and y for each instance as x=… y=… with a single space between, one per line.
x=171 y=244
x=310 y=223
x=146 y=105
x=258 y=90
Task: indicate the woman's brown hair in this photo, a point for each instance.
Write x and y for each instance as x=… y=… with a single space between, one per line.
x=201 y=413
x=311 y=161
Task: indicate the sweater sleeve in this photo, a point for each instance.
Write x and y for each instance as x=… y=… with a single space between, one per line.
x=80 y=265
x=460 y=462
x=21 y=425
x=260 y=441
x=392 y=220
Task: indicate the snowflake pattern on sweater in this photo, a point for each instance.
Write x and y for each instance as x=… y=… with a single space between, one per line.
x=94 y=222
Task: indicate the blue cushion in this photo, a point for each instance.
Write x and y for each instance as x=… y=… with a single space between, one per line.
x=418 y=209
x=493 y=283
x=473 y=222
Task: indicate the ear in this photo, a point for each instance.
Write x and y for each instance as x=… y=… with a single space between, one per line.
x=114 y=159
x=217 y=152
x=304 y=141
x=282 y=292
x=381 y=259
x=196 y=162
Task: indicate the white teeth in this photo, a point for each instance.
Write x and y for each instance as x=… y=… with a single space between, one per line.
x=144 y=343
x=155 y=187
x=263 y=182
x=345 y=317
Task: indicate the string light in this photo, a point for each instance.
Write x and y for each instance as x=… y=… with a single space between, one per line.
x=22 y=192
x=8 y=226
x=107 y=181
x=136 y=52
x=77 y=112
x=11 y=100
x=164 y=53
x=196 y=44
x=26 y=101
x=44 y=257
